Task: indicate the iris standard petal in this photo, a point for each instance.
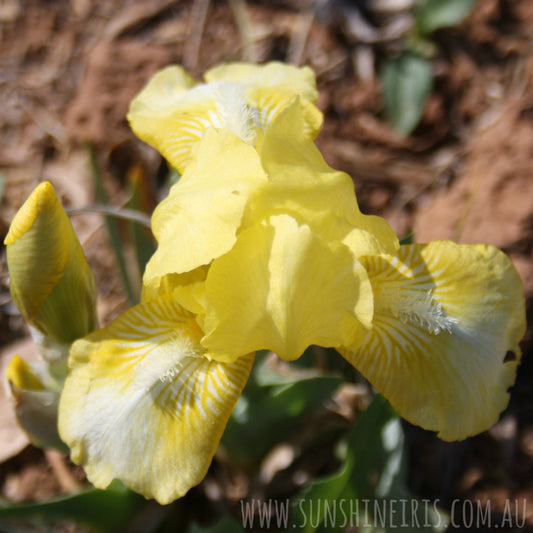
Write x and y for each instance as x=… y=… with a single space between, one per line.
x=50 y=280
x=143 y=402
x=445 y=316
x=281 y=288
x=199 y=219
x=268 y=103
x=303 y=184
x=286 y=153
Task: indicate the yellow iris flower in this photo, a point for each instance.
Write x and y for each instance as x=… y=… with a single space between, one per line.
x=172 y=112
x=262 y=246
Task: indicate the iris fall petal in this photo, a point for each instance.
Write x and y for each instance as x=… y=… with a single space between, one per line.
x=445 y=316
x=151 y=106
x=144 y=403
x=172 y=112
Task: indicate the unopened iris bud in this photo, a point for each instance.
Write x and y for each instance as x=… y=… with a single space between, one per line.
x=51 y=281
x=35 y=397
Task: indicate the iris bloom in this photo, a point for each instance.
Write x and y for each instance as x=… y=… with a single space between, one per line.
x=173 y=110
x=263 y=246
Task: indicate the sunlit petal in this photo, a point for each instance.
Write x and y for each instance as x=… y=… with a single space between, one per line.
x=271 y=87
x=158 y=100
x=172 y=111
x=445 y=317
x=301 y=80
x=217 y=105
x=304 y=185
x=199 y=219
x=268 y=103
x=144 y=403
x=287 y=154
x=281 y=288
x=188 y=288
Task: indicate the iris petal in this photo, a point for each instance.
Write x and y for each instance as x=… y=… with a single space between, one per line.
x=144 y=403
x=300 y=80
x=172 y=112
x=270 y=88
x=445 y=317
x=281 y=288
x=216 y=105
x=302 y=184
x=199 y=219
x=157 y=100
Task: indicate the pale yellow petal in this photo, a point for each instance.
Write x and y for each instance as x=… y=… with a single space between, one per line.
x=268 y=103
x=216 y=105
x=299 y=80
x=143 y=403
x=281 y=288
x=287 y=154
x=329 y=208
x=158 y=101
x=370 y=234
x=445 y=317
x=198 y=221
x=172 y=112
x=304 y=185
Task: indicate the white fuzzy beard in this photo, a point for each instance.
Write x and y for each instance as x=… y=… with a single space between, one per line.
x=420 y=308
x=234 y=111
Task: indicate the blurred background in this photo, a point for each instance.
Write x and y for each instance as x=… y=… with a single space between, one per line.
x=428 y=106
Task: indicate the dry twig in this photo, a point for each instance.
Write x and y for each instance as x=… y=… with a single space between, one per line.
x=244 y=28
x=196 y=30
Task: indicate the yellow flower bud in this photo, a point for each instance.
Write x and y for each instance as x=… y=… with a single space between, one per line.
x=35 y=398
x=20 y=373
x=51 y=281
